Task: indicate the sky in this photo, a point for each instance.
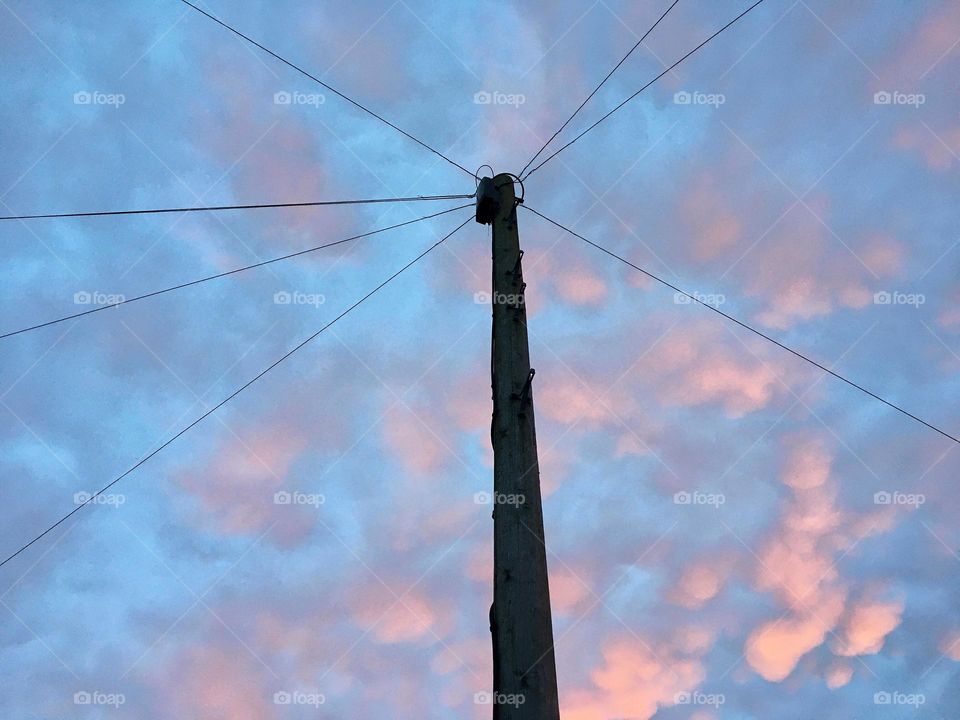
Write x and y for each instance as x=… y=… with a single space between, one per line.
x=731 y=532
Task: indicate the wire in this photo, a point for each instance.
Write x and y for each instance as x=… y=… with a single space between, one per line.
x=224 y=274
x=229 y=397
x=591 y=127
x=328 y=87
x=210 y=208
x=597 y=88
x=744 y=325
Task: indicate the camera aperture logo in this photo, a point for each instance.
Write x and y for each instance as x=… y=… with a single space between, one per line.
x=83 y=297
x=498 y=698
x=97 y=697
x=895 y=97
x=114 y=500
x=495 y=97
x=299 y=697
x=96 y=97
x=284 y=97
x=686 y=97
x=283 y=497
x=499 y=498
x=686 y=497
x=295 y=297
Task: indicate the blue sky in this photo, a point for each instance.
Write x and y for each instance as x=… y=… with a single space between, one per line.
x=808 y=187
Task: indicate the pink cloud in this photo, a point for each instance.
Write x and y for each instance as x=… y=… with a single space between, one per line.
x=807 y=464
x=838 y=675
x=217 y=684
x=391 y=620
x=950 y=645
x=571 y=401
x=567 y=590
x=417 y=448
x=924 y=50
x=939 y=150
x=949 y=316
x=235 y=487
x=634 y=681
x=883 y=254
x=694 y=369
x=698 y=584
x=775 y=648
x=581 y=287
x=867 y=626
x=708 y=218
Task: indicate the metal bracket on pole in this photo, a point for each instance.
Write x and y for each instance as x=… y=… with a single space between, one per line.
x=516 y=265
x=524 y=395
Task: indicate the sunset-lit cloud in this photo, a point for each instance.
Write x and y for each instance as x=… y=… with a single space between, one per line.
x=729 y=528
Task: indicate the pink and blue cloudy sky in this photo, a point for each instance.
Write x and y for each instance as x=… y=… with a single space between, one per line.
x=798 y=200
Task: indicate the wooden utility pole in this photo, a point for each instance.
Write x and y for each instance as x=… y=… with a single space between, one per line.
x=524 y=669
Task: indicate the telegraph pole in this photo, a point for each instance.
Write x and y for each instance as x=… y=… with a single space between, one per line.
x=524 y=668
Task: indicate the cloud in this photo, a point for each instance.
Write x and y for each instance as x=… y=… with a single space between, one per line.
x=216 y=683
x=568 y=590
x=866 y=627
x=838 y=675
x=390 y=619
x=581 y=287
x=235 y=488
x=711 y=222
x=699 y=365
x=775 y=647
x=807 y=465
x=413 y=443
x=939 y=149
x=698 y=584
x=633 y=681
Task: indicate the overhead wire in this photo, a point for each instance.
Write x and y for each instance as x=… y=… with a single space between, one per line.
x=213 y=208
x=746 y=326
x=328 y=87
x=602 y=83
x=127 y=301
x=229 y=397
x=604 y=117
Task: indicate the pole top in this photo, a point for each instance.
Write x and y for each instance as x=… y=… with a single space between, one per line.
x=495 y=194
